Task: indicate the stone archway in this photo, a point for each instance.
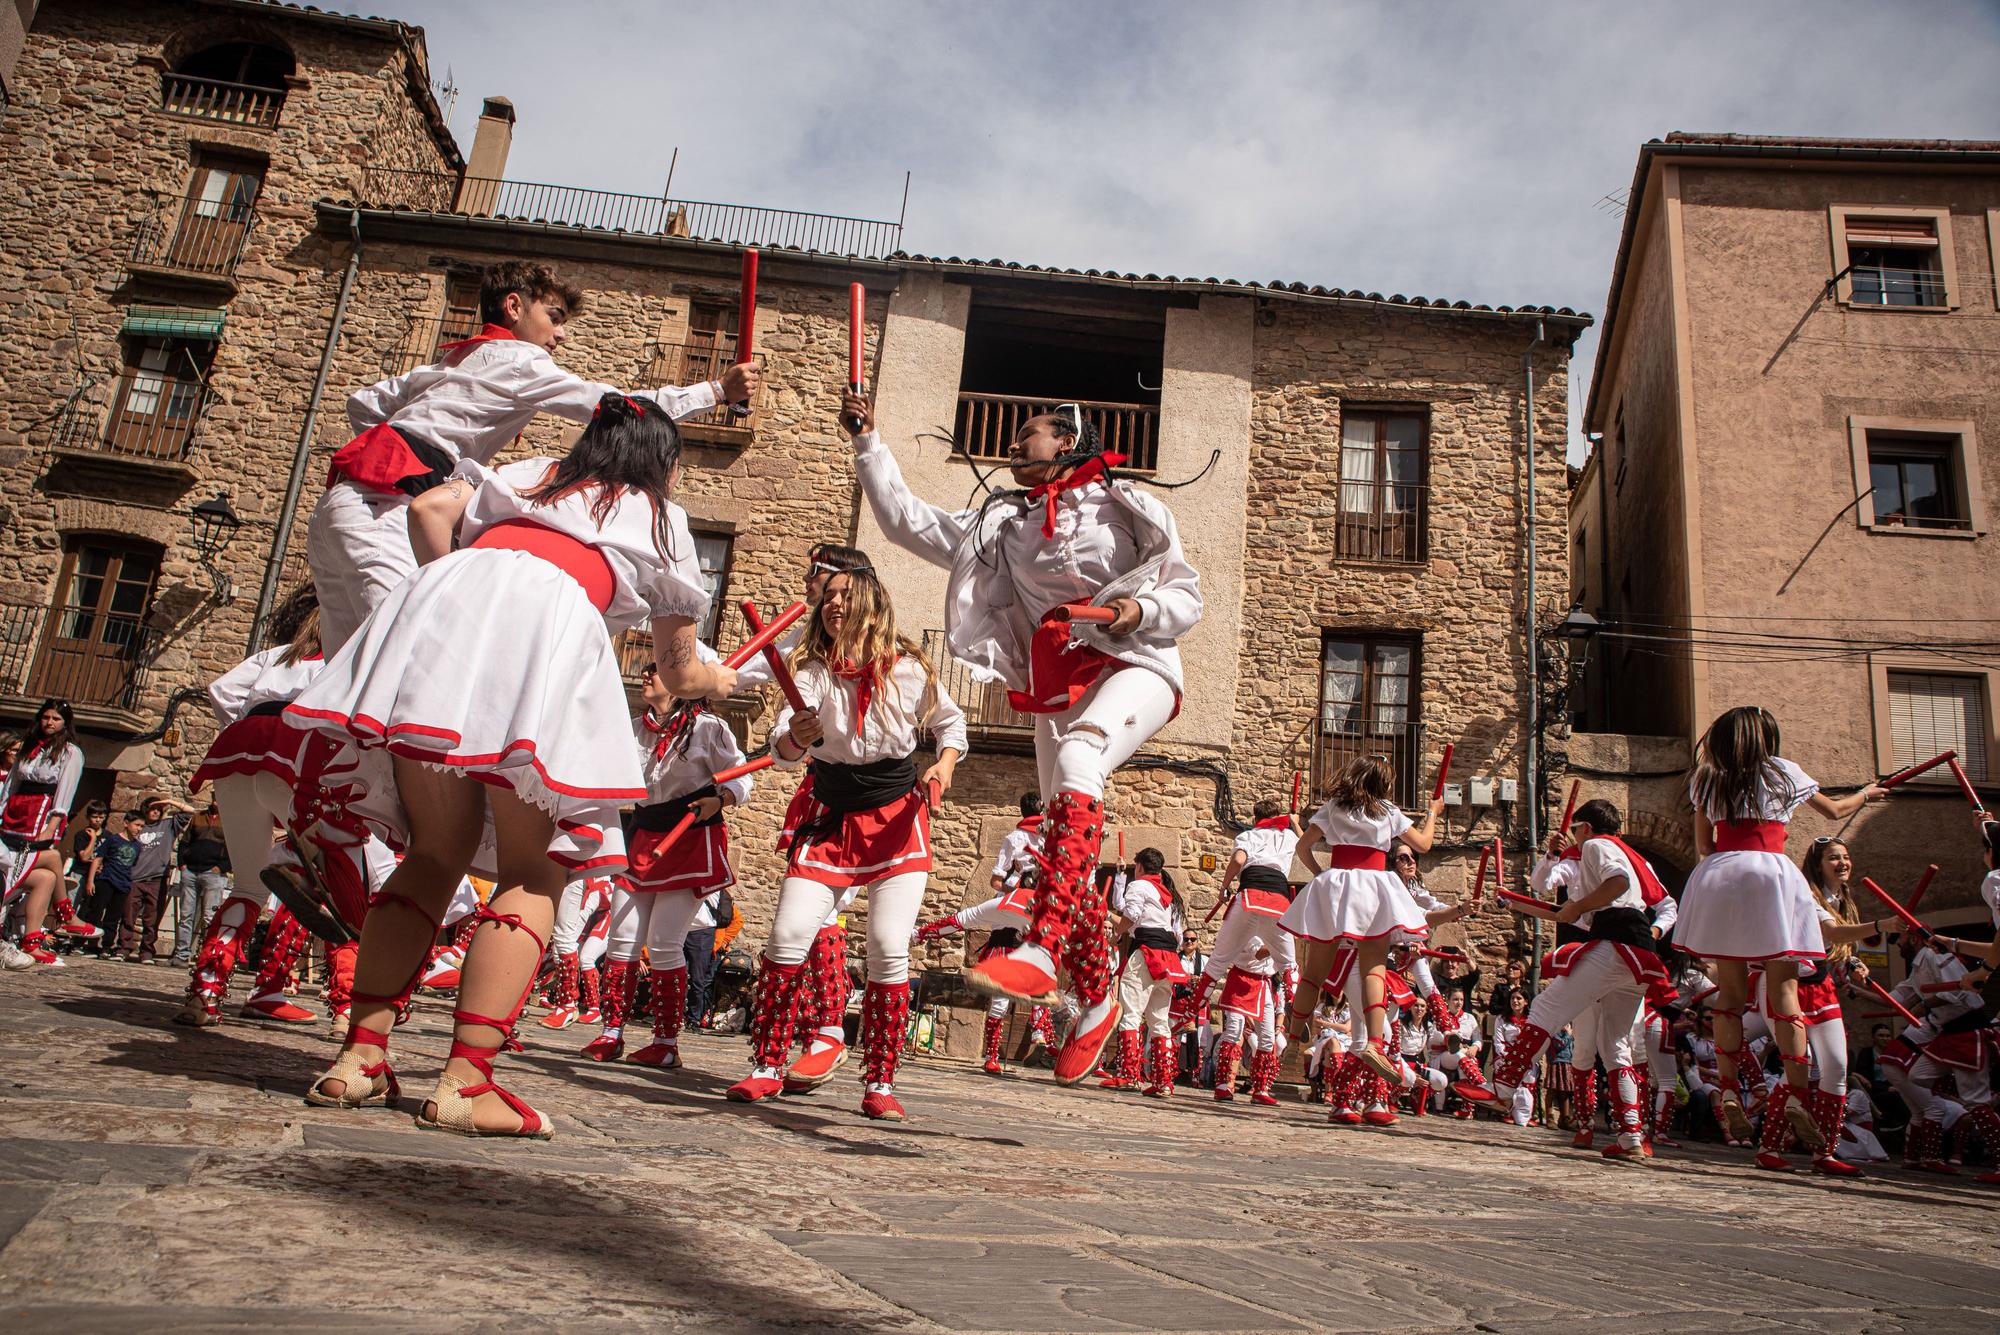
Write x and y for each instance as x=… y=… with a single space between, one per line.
x=1666 y=843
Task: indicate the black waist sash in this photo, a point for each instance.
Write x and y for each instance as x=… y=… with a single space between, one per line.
x=843 y=789
x=1263 y=876
x=660 y=817
x=1626 y=927
x=1155 y=938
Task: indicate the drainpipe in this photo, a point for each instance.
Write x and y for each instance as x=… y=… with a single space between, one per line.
x=1534 y=729
x=267 y=593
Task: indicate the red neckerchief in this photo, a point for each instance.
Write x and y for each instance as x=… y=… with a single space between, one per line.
x=489 y=333
x=1650 y=889
x=863 y=677
x=1029 y=823
x=666 y=733
x=1166 y=900
x=33 y=749
x=1085 y=473
x=1275 y=823
x=1574 y=853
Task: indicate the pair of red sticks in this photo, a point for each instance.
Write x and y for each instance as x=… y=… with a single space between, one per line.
x=746 y=327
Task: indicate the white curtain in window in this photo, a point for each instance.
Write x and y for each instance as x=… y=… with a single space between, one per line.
x=1357 y=466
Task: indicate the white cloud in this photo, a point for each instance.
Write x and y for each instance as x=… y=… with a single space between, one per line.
x=1453 y=150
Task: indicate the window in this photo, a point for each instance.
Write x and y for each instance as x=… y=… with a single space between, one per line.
x=159 y=398
x=97 y=627
x=1618 y=438
x=1913 y=479
x=1894 y=258
x=461 y=311
x=216 y=215
x=1369 y=706
x=240 y=83
x=712 y=550
x=1381 y=486
x=1931 y=712
x=248 y=63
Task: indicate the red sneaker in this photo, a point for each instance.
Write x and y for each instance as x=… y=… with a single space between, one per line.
x=1344 y=1117
x=1005 y=976
x=666 y=1056
x=1263 y=1100
x=754 y=1087
x=80 y=929
x=275 y=1007
x=1078 y=1055
x=1937 y=1166
x=1224 y=1094
x=1984 y=1179
x=1474 y=1093
x=881 y=1105
x=605 y=1048
x=816 y=1067
x=562 y=1017
x=1380 y=1117
x=1833 y=1167
x=993 y=1067
x=590 y=1015
x=1584 y=1139
x=1115 y=1082
x=1157 y=1091
x=440 y=980
x=1463 y=1114
x=35 y=945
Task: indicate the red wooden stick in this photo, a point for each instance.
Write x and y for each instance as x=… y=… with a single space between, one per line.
x=1932 y=989
x=1965 y=784
x=680 y=828
x=1529 y=900
x=746 y=320
x=1444 y=768
x=1479 y=881
x=934 y=790
x=753 y=646
x=1121 y=848
x=1923 y=932
x=1923 y=884
x=779 y=671
x=1298 y=777
x=763 y=762
x=1900 y=1008
x=1569 y=807
x=1499 y=864
x=1905 y=775
x=1102 y=616
x=855 y=298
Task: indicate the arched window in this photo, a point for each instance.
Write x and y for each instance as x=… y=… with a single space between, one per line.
x=240 y=82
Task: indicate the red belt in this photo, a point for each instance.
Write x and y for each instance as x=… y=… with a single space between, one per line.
x=1356 y=857
x=1750 y=836
x=579 y=560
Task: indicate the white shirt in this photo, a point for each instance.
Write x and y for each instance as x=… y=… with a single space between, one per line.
x=1269 y=848
x=63 y=768
x=1014 y=857
x=712 y=747
x=1340 y=825
x=1467 y=1031
x=1147 y=904
x=1602 y=861
x=902 y=707
x=473 y=404
x=1556 y=874
x=1932 y=965
x=758 y=670
x=1989 y=890
x=260 y=679
x=646 y=585
x=1772 y=804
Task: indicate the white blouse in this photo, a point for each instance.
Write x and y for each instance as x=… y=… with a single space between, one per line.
x=647 y=586
x=260 y=679
x=63 y=768
x=901 y=708
x=1772 y=803
x=1268 y=848
x=1148 y=904
x=711 y=748
x=1340 y=825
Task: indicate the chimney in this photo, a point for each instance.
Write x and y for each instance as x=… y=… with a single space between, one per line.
x=480 y=187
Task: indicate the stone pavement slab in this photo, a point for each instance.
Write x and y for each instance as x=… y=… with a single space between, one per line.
x=1002 y=1205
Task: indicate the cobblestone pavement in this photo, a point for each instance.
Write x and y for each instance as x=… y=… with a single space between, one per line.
x=161 y=1180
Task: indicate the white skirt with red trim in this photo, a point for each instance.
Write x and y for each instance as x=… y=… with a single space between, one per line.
x=259 y=744
x=1644 y=965
x=697 y=861
x=870 y=846
x=1749 y=905
x=491 y=664
x=1356 y=905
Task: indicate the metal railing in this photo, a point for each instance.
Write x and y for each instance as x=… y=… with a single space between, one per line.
x=642 y=215
x=193 y=236
x=1381 y=521
x=692 y=363
x=1877 y=285
x=984 y=703
x=214 y=100
x=1341 y=740
x=988 y=423
x=151 y=416
x=423 y=335
x=80 y=654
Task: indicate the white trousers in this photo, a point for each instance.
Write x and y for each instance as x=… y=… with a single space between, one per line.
x=1242 y=929
x=358 y=546
x=1601 y=1000
x=578 y=905
x=1144 y=999
x=1263 y=1035
x=248 y=803
x=893 y=904
x=1076 y=750
x=658 y=919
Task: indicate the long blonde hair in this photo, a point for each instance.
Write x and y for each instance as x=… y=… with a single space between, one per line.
x=868 y=638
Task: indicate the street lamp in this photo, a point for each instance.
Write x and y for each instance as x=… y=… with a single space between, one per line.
x=215 y=525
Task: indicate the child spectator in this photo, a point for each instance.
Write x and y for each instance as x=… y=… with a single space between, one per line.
x=165 y=819
x=109 y=880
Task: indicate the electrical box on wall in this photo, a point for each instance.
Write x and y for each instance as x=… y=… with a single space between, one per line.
x=1454 y=794
x=1510 y=790
x=1481 y=792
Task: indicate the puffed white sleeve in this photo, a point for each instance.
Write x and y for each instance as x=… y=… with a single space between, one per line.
x=69 y=775
x=229 y=694
x=1665 y=914
x=912 y=524
x=675 y=588
x=535 y=380
x=720 y=752
x=947 y=720
x=1172 y=606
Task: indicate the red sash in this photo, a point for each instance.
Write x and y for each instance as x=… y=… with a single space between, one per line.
x=1266 y=903
x=697 y=861
x=1750 y=836
x=1019 y=900
x=579 y=560
x=1164 y=965
x=1356 y=857
x=1245 y=993
x=1059 y=669
x=379 y=457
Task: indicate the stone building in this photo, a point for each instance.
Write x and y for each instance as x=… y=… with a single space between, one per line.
x=1795 y=419
x=1357 y=467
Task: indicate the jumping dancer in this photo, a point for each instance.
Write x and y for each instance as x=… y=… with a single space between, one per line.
x=680 y=744
x=864 y=821
x=483 y=725
x=1746 y=902
x=35 y=800
x=1028 y=571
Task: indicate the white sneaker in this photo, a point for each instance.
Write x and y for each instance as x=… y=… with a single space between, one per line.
x=12 y=957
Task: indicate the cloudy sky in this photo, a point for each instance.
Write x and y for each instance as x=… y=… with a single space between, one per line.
x=1461 y=150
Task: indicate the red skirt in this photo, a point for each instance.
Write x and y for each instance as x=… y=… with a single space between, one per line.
x=697 y=861
x=1819 y=1002
x=1245 y=994
x=27 y=814
x=1164 y=965
x=872 y=845
x=254 y=744
x=1964 y=1052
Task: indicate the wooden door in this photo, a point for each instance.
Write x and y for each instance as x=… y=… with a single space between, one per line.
x=209 y=236
x=96 y=630
x=158 y=400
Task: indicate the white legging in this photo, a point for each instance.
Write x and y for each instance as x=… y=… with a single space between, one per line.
x=1076 y=750
x=893 y=904
x=574 y=911
x=248 y=803
x=658 y=918
x=1145 y=999
x=1827 y=1041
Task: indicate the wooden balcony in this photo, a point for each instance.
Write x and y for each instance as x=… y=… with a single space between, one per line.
x=1382 y=522
x=985 y=703
x=148 y=424
x=988 y=423
x=213 y=100
x=191 y=238
x=79 y=654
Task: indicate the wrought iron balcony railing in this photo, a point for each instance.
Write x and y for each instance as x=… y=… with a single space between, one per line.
x=1345 y=733
x=79 y=654
x=692 y=363
x=1382 y=521
x=985 y=703
x=193 y=236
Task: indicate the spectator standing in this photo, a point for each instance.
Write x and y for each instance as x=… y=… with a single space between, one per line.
x=204 y=882
x=165 y=819
x=109 y=880
x=80 y=846
x=717 y=910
